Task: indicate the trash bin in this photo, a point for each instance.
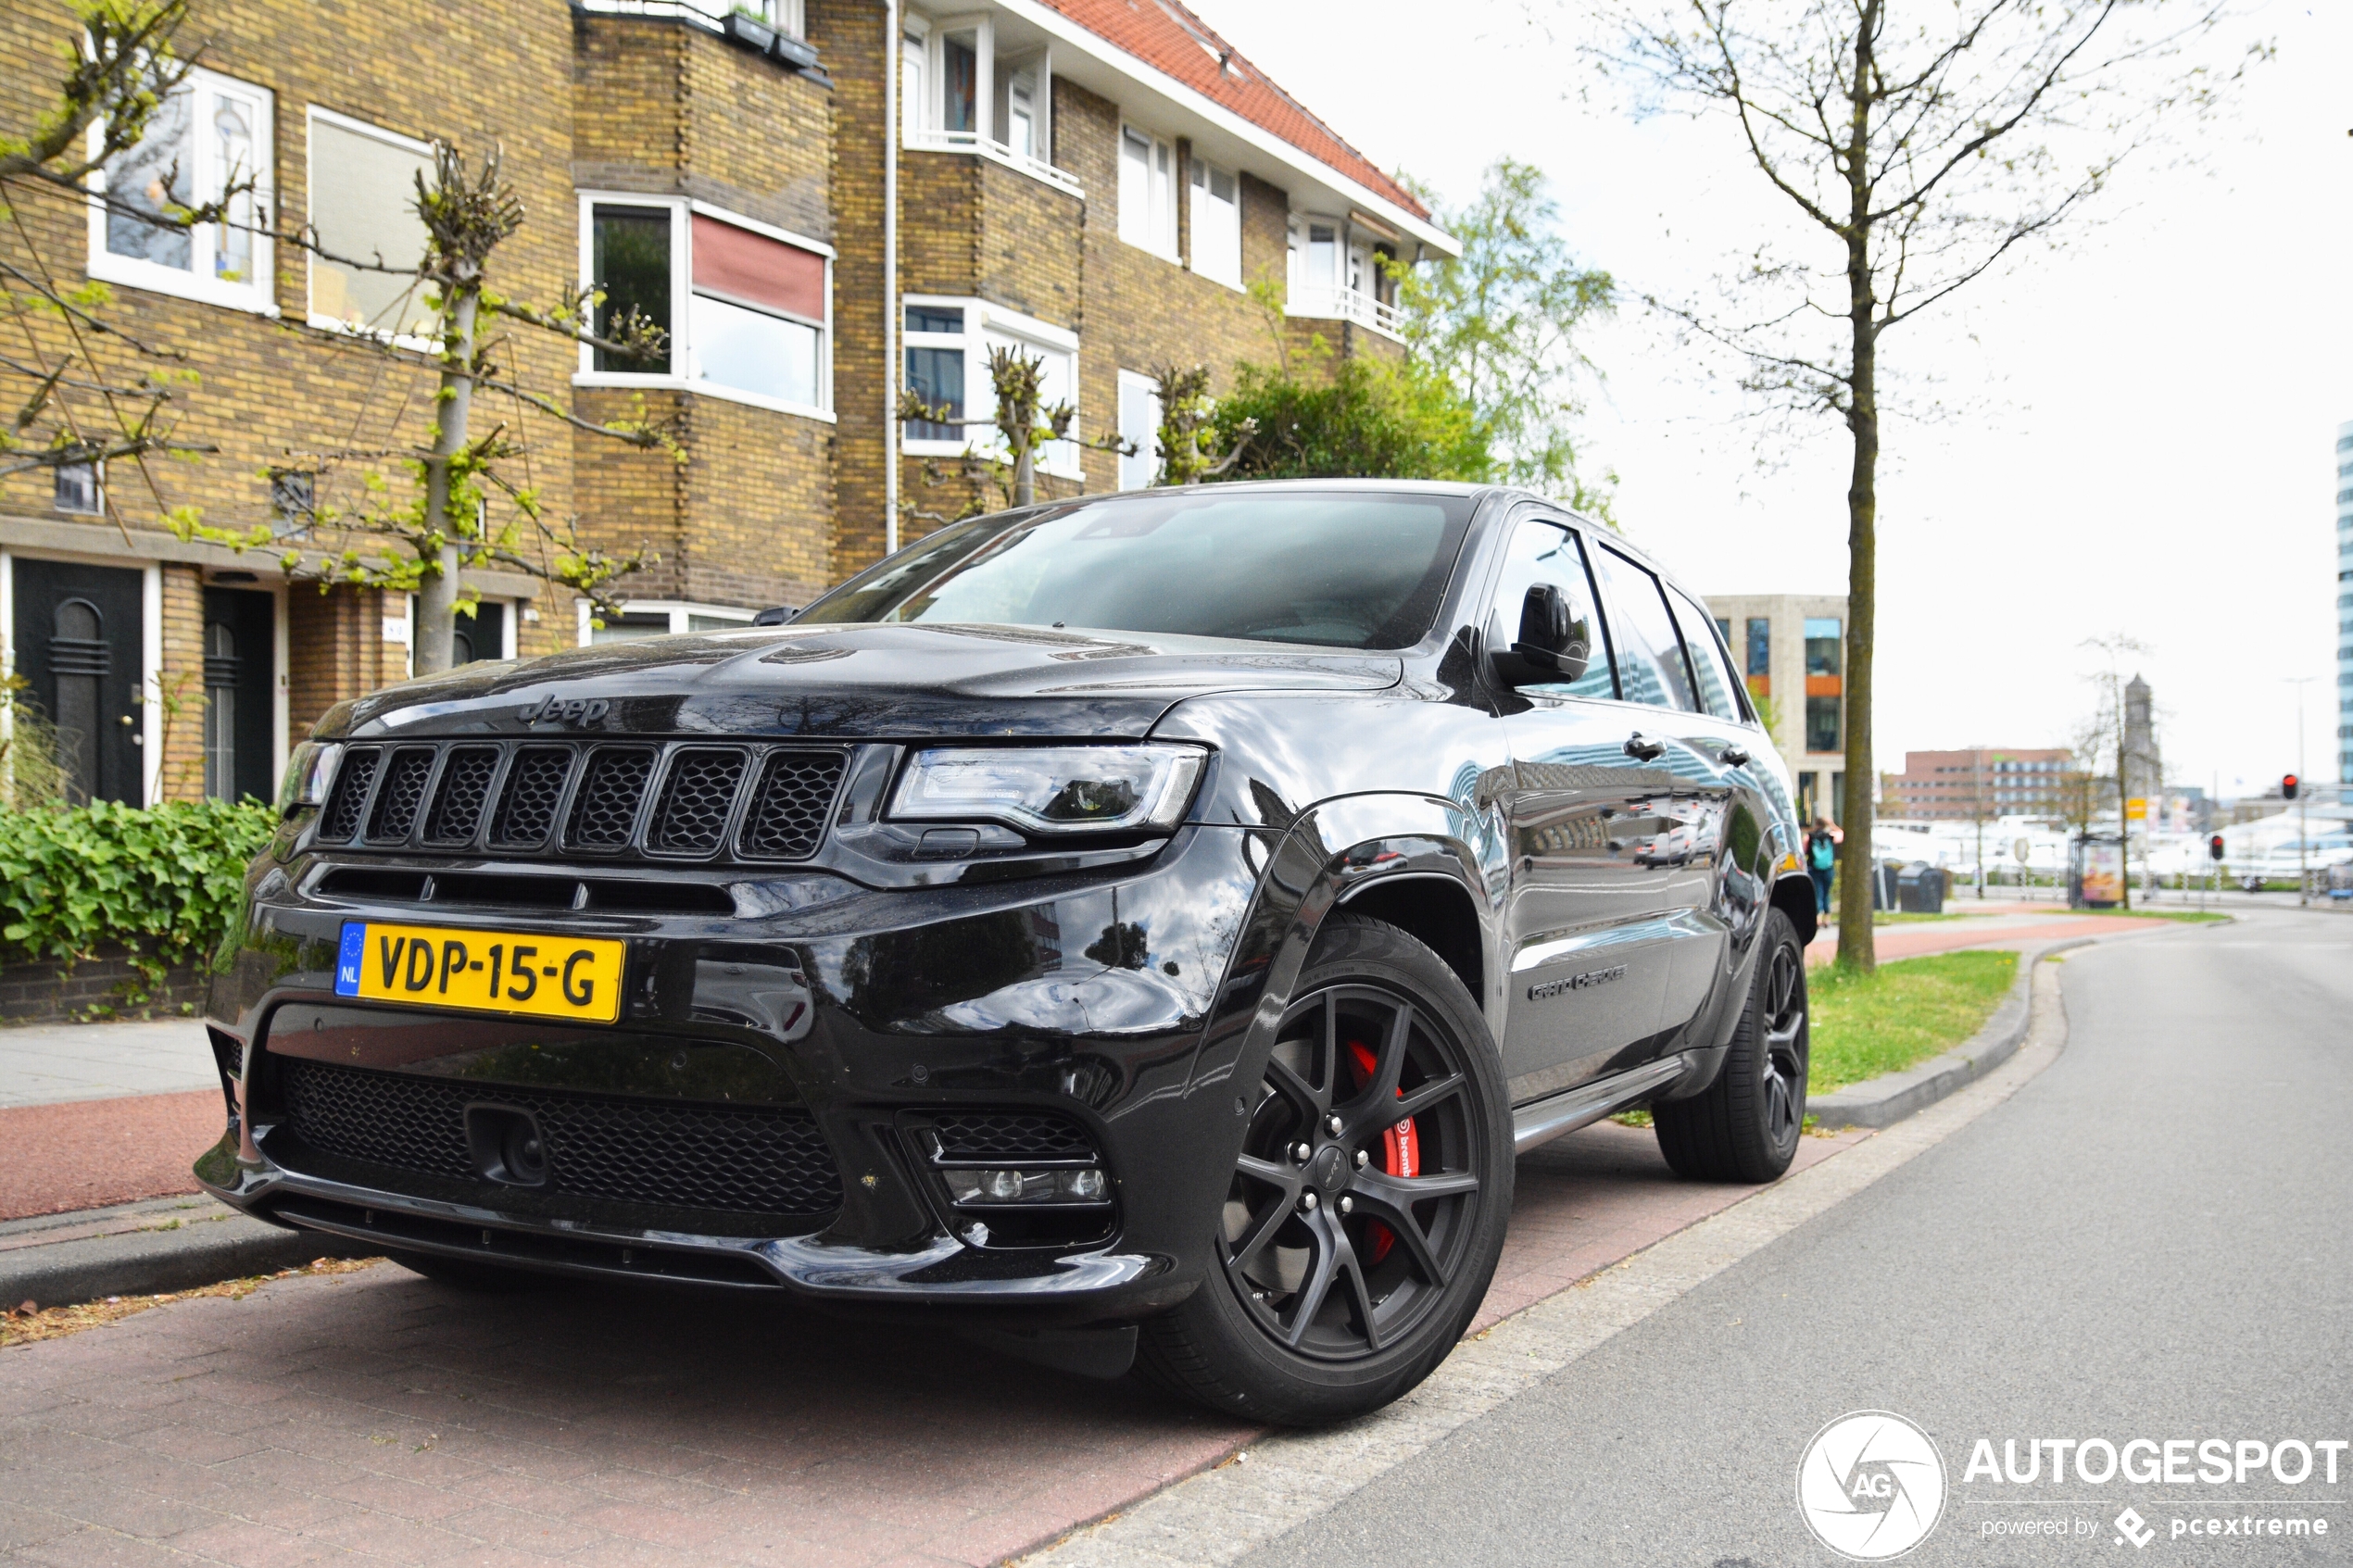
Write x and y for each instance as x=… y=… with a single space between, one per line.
x=1883 y=886
x=1920 y=889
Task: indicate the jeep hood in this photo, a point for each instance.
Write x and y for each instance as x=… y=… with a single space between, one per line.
x=853 y=683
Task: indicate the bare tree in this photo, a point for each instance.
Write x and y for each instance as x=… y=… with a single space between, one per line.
x=1922 y=144
x=1024 y=421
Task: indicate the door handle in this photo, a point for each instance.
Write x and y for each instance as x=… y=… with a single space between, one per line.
x=1732 y=757
x=1641 y=748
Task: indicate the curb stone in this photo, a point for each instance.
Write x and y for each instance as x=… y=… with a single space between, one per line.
x=211 y=1242
x=1887 y=1100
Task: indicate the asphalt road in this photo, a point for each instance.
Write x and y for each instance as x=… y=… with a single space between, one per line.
x=2150 y=1239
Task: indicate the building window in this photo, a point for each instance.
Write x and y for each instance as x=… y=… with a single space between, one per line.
x=1760 y=646
x=747 y=309
x=642 y=617
x=1217 y=224
x=79 y=488
x=1822 y=723
x=1147 y=192
x=1139 y=429
x=947 y=346
x=960 y=92
x=219 y=711
x=363 y=210
x=1822 y=652
x=209 y=140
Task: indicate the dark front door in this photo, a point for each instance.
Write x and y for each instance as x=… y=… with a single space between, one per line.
x=80 y=650
x=1589 y=959
x=484 y=637
x=240 y=686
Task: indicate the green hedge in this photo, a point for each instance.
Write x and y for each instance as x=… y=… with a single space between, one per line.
x=165 y=884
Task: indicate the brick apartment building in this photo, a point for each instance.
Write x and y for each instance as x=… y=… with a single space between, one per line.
x=1095 y=181
x=1980 y=784
x=1792 y=650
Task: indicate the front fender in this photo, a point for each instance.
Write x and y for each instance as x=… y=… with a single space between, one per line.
x=1340 y=851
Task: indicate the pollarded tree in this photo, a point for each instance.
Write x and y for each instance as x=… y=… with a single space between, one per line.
x=1921 y=144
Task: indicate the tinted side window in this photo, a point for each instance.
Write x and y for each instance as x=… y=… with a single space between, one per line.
x=1650 y=655
x=1715 y=685
x=1544 y=552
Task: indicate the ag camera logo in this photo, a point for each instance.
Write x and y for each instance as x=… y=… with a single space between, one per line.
x=1870 y=1486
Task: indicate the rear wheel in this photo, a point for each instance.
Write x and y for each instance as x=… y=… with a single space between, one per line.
x=1744 y=1126
x=465 y=1274
x=1362 y=1221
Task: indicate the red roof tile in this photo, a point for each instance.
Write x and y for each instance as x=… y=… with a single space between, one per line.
x=1170 y=39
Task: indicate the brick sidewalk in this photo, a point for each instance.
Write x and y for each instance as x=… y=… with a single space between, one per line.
x=86 y=1154
x=1991 y=931
x=377 y=1413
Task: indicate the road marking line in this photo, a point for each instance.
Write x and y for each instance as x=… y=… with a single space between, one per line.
x=1217 y=1515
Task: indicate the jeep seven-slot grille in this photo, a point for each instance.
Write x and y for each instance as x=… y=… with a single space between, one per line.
x=749 y=1160
x=630 y=800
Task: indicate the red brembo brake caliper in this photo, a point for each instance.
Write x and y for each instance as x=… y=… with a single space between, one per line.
x=1400 y=1150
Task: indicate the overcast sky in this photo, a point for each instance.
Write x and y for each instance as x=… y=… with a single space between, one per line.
x=2148 y=417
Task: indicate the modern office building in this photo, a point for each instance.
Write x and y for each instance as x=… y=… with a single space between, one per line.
x=2344 y=613
x=1792 y=647
x=1979 y=784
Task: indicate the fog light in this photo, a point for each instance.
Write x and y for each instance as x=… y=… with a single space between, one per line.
x=1087 y=1185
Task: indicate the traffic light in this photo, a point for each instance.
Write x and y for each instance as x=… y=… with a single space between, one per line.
x=2287 y=787
x=2214 y=847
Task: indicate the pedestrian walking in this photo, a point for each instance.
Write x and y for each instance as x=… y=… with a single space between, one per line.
x=1821 y=854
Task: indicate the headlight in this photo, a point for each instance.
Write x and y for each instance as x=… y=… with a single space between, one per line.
x=1051 y=789
x=311 y=772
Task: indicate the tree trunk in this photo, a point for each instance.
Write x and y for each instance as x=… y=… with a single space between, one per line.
x=1856 y=948
x=433 y=639
x=1024 y=471
x=2123 y=805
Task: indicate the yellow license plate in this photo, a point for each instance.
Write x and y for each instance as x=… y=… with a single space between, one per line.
x=576 y=977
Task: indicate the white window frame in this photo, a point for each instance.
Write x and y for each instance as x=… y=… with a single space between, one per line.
x=923 y=113
x=312 y=115
x=681 y=611
x=257 y=294
x=680 y=377
x=984 y=321
x=1148 y=445
x=1200 y=191
x=1153 y=226
x=785 y=15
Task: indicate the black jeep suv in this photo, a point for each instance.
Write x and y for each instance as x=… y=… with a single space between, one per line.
x=1145 y=926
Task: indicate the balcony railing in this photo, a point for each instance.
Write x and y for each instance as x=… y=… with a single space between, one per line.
x=1326 y=303
x=973 y=142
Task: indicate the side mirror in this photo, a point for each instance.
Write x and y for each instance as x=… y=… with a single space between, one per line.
x=774 y=615
x=1553 y=647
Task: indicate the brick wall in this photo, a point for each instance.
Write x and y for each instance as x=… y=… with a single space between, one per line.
x=852 y=37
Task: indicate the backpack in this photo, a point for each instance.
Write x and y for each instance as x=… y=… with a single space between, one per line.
x=1821 y=853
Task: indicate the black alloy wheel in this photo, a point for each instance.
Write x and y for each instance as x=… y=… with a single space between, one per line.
x=1744 y=1126
x=1366 y=1211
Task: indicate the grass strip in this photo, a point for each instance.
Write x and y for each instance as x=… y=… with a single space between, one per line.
x=1900 y=1014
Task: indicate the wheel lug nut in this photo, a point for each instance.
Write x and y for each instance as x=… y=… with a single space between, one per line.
x=1308 y=1202
x=1299 y=1152
x=1347 y=1205
x=1364 y=1158
x=1332 y=1125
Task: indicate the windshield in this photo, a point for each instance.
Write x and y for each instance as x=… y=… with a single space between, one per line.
x=1344 y=570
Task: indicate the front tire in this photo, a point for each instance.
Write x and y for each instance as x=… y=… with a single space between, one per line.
x=1363 y=1218
x=1744 y=1126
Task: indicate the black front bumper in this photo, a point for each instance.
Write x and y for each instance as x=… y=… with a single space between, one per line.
x=773 y=1108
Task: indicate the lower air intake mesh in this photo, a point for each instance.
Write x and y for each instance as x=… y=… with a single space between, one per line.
x=748 y=1159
